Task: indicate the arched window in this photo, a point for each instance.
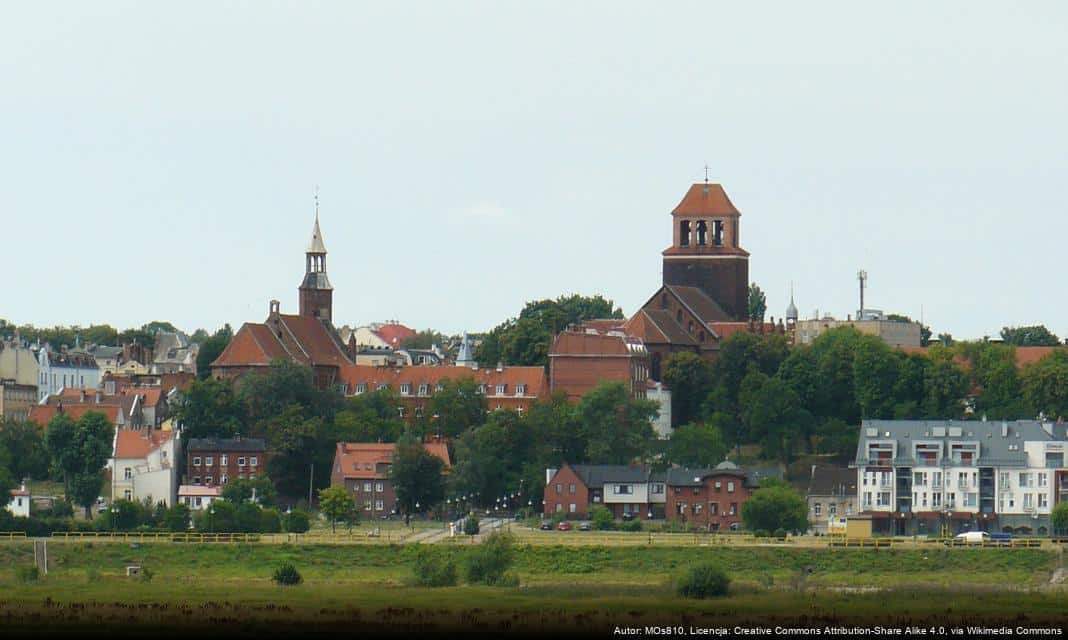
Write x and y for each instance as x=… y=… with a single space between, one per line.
x=654 y=367
x=678 y=316
x=717 y=233
x=684 y=233
x=702 y=233
x=690 y=327
x=663 y=301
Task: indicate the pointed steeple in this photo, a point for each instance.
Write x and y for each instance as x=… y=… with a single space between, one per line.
x=791 y=311
x=315 y=245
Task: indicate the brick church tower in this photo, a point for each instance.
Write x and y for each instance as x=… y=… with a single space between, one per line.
x=706 y=253
x=316 y=294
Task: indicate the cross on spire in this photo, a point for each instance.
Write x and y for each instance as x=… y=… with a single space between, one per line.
x=317 y=203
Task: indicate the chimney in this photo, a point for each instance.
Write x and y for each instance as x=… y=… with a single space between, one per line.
x=96 y=396
x=500 y=367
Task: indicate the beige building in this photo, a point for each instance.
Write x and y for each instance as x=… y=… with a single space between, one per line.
x=18 y=380
x=894 y=333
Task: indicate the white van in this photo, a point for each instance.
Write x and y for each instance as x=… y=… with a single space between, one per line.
x=973 y=537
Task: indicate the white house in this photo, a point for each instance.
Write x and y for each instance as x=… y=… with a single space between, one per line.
x=143 y=465
x=20 y=503
x=926 y=477
x=198 y=497
x=57 y=371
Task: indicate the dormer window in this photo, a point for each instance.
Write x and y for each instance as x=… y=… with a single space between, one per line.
x=424 y=389
x=500 y=389
x=406 y=389
x=361 y=388
x=521 y=389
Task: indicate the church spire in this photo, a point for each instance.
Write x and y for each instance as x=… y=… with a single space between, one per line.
x=316 y=297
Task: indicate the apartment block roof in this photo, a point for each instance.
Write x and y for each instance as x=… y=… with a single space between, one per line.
x=1001 y=443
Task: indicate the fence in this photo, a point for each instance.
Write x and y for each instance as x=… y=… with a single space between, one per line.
x=364 y=537
x=12 y=535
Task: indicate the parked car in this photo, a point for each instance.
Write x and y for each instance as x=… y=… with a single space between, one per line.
x=627 y=517
x=546 y=526
x=564 y=526
x=585 y=526
x=973 y=537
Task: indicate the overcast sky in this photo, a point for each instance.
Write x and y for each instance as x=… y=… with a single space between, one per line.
x=158 y=161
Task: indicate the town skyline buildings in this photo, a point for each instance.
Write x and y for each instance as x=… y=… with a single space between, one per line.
x=456 y=185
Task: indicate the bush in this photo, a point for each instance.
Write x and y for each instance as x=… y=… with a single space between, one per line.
x=434 y=569
x=703 y=581
x=761 y=533
x=601 y=517
x=490 y=561
x=471 y=525
x=177 y=518
x=287 y=575
x=270 y=521
x=780 y=533
x=632 y=525
x=145 y=575
x=297 y=521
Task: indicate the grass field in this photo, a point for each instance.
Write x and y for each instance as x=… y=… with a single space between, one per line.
x=587 y=589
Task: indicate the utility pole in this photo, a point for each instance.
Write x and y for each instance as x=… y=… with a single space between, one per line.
x=311 y=480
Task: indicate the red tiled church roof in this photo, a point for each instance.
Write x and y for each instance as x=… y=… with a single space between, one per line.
x=705 y=199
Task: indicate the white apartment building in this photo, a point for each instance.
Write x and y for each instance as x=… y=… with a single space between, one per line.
x=143 y=466
x=918 y=477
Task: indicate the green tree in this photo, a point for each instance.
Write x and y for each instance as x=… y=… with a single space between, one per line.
x=219 y=517
x=617 y=428
x=259 y=490
x=7 y=481
x=601 y=517
x=945 y=386
x=1059 y=518
x=525 y=340
x=875 y=372
x=489 y=562
x=417 y=477
x=79 y=451
x=689 y=376
x=124 y=515
x=492 y=460
x=210 y=409
x=336 y=504
x=101 y=334
x=758 y=304
x=25 y=443
x=247 y=517
x=773 y=415
x=775 y=507
x=1045 y=385
x=211 y=348
x=696 y=445
x=1031 y=336
x=177 y=518
x=456 y=407
x=297 y=521
x=370 y=417
x=424 y=339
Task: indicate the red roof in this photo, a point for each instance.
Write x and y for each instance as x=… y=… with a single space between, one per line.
x=1024 y=355
x=532 y=377
x=394 y=334
x=354 y=458
x=309 y=342
x=137 y=443
x=20 y=492
x=42 y=414
x=707 y=200
x=586 y=343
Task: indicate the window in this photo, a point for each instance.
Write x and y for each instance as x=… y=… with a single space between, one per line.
x=379 y=505
x=571 y=488
x=127 y=473
x=623 y=489
x=1043 y=501
x=439 y=387
x=367 y=487
x=658 y=489
x=816 y=507
x=382 y=386
x=196 y=461
x=482 y=389
x=361 y=387
x=1029 y=501
x=209 y=460
x=366 y=466
x=367 y=505
x=719 y=485
x=1041 y=480
x=730 y=486
x=197 y=501
x=521 y=389
x=884 y=499
x=224 y=479
x=734 y=508
x=400 y=411
x=196 y=479
x=832 y=508
x=241 y=461
x=571 y=507
x=919 y=477
x=406 y=389
x=378 y=487
x=418 y=412
x=970 y=499
x=1003 y=480
x=519 y=411
x=128 y=494
x=500 y=389
x=224 y=460
x=713 y=508
x=253 y=461
x=697 y=508
x=424 y=389
x=697 y=491
x=1025 y=480
x=559 y=507
x=559 y=488
x=208 y=479
x=867 y=498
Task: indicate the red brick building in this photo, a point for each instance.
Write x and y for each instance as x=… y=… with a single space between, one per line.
x=308 y=338
x=581 y=358
x=216 y=461
x=515 y=388
x=363 y=469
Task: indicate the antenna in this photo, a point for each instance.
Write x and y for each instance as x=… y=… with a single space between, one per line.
x=862 y=277
x=706 y=174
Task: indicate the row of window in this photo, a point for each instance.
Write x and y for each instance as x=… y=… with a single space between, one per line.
x=367 y=488
x=225 y=460
x=81 y=379
x=656 y=488
x=424 y=389
x=223 y=480
x=713 y=508
x=832 y=509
